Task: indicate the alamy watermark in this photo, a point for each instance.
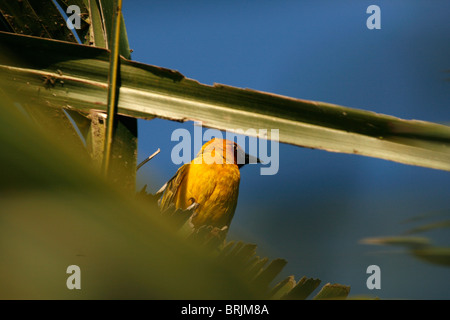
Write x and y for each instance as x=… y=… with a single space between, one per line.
x=74 y=17
x=74 y=20
x=257 y=148
x=374 y=280
x=374 y=20
x=74 y=280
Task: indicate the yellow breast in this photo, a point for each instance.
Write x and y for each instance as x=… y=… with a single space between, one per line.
x=215 y=187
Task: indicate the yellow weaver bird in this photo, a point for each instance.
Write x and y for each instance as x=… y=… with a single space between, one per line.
x=210 y=182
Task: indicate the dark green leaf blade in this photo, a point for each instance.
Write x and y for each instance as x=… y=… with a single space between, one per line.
x=148 y=91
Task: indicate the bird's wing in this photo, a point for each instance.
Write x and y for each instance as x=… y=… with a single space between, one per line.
x=170 y=189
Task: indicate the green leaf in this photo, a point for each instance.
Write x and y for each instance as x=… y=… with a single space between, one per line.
x=267 y=275
x=419 y=247
x=120 y=144
x=434 y=254
x=240 y=254
x=255 y=266
x=98 y=33
x=147 y=91
x=107 y=8
x=333 y=292
x=406 y=241
x=302 y=289
x=282 y=288
x=429 y=226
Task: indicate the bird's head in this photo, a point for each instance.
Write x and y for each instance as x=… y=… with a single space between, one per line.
x=225 y=151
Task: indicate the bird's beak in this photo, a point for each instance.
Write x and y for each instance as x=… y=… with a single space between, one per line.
x=250 y=159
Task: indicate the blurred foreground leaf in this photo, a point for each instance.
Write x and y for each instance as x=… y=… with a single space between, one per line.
x=434 y=254
x=420 y=247
x=56 y=211
x=405 y=241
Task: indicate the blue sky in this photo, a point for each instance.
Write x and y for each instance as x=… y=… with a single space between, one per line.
x=319 y=205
